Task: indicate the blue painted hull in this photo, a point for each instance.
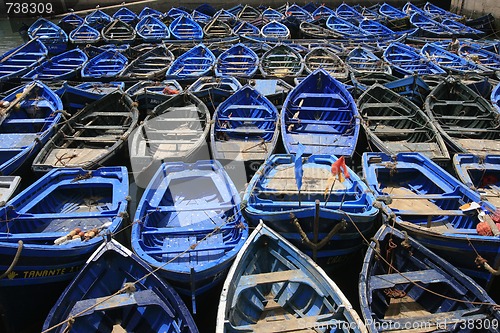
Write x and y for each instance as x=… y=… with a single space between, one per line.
x=245 y=127
x=320 y=114
x=214 y=91
x=152 y=30
x=238 y=61
x=195 y=62
x=480 y=174
x=152 y=304
x=65 y=66
x=272 y=287
x=51 y=208
x=171 y=226
x=441 y=226
x=185 y=28
x=23 y=132
x=405 y=60
x=272 y=196
x=54 y=38
x=451 y=62
x=22 y=59
x=105 y=65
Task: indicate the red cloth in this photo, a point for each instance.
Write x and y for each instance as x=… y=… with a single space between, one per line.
x=339 y=167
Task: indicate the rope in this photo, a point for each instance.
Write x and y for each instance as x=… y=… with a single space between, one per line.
x=130 y=285
x=14 y=261
x=410 y=280
x=317 y=246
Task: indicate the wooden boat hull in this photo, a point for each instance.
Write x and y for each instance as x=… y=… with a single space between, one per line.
x=22 y=59
x=25 y=131
x=150 y=94
x=238 y=61
x=394 y=124
x=465 y=120
x=152 y=303
x=272 y=196
x=423 y=200
x=52 y=207
x=214 y=224
x=321 y=115
x=196 y=62
x=214 y=91
x=105 y=65
x=54 y=38
x=402 y=284
x=245 y=128
x=271 y=267
x=480 y=174
x=150 y=65
x=93 y=137
x=176 y=130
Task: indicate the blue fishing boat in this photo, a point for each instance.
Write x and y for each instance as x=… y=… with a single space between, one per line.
x=91 y=138
x=430 y=28
x=403 y=284
x=467 y=121
x=481 y=56
x=206 y=9
x=298 y=12
x=412 y=87
x=391 y=12
x=176 y=130
x=272 y=14
x=27 y=123
x=214 y=90
x=98 y=19
x=461 y=29
x=126 y=15
x=148 y=11
x=396 y=18
x=200 y=18
x=393 y=124
x=327 y=59
x=310 y=6
x=175 y=12
x=320 y=114
x=424 y=200
x=84 y=34
x=149 y=94
x=244 y=28
x=185 y=28
x=245 y=128
x=195 y=62
x=281 y=61
x=105 y=65
x=58 y=222
x=20 y=60
x=362 y=61
x=151 y=65
x=322 y=11
x=275 y=29
x=64 y=66
x=348 y=13
x=75 y=98
x=345 y=28
x=442 y=13
x=451 y=62
x=239 y=61
x=152 y=30
x=378 y=29
x=271 y=286
x=51 y=35
x=481 y=174
x=127 y=296
x=192 y=246
x=325 y=215
x=70 y=22
x=405 y=60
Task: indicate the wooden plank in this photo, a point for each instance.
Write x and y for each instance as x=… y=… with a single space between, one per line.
x=271 y=277
x=389 y=280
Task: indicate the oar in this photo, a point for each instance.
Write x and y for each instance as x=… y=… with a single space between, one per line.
x=19 y=49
